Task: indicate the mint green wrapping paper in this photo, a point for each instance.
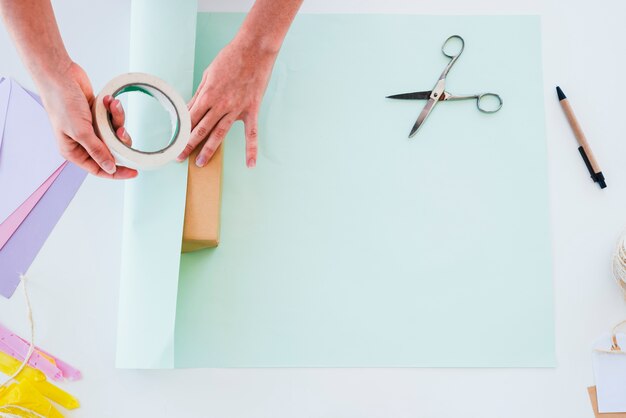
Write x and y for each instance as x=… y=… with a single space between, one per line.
x=162 y=43
x=350 y=245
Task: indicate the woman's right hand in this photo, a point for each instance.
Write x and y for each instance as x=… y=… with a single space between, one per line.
x=68 y=100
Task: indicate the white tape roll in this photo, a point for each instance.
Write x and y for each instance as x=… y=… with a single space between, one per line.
x=167 y=97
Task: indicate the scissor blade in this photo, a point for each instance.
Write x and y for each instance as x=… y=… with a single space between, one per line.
x=417 y=95
x=422 y=117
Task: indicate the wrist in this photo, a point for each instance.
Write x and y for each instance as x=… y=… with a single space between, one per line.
x=53 y=71
x=259 y=45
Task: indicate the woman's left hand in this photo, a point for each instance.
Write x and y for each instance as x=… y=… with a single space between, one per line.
x=231 y=89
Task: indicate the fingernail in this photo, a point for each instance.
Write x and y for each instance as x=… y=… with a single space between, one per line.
x=108 y=166
x=118 y=105
x=201 y=161
x=180 y=158
x=251 y=163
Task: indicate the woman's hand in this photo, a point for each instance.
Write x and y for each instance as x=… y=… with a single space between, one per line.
x=67 y=100
x=231 y=89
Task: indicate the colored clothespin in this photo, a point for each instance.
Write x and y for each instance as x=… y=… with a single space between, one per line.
x=37 y=379
x=21 y=398
x=56 y=369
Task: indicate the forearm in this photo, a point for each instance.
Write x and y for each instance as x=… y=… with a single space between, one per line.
x=33 y=27
x=267 y=24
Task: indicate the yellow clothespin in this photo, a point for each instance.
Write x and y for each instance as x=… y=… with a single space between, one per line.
x=36 y=379
x=8 y=366
x=22 y=399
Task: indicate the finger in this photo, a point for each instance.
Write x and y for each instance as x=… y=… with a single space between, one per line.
x=195 y=96
x=200 y=132
x=81 y=158
x=117 y=114
x=87 y=138
x=118 y=119
x=201 y=107
x=124 y=136
x=215 y=139
x=251 y=140
x=197 y=93
x=124 y=173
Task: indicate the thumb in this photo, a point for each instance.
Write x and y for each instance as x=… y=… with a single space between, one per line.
x=87 y=138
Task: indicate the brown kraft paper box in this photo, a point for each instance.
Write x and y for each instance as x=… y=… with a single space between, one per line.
x=201 y=228
x=594 y=404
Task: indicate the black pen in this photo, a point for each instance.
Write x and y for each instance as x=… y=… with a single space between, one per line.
x=584 y=149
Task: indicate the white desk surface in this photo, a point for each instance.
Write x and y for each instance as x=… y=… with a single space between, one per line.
x=74 y=281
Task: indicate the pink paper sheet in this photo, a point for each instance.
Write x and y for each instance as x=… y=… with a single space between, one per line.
x=10 y=225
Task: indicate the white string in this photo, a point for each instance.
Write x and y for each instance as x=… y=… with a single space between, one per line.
x=10 y=411
x=31 y=348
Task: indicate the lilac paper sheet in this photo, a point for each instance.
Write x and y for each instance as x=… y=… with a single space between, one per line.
x=29 y=154
x=5 y=96
x=18 y=254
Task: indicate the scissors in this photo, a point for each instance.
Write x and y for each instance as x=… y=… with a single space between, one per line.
x=438 y=93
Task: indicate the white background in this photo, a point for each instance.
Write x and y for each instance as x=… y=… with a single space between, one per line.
x=74 y=281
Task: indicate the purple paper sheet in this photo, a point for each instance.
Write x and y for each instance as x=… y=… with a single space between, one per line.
x=29 y=154
x=18 y=254
x=34 y=96
x=5 y=96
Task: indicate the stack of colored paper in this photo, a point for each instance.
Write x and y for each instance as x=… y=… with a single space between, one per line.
x=36 y=184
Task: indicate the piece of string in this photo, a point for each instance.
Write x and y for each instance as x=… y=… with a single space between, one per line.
x=10 y=411
x=31 y=324
x=15 y=411
x=615 y=346
x=619 y=264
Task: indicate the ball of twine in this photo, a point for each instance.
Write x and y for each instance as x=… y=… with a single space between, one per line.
x=619 y=264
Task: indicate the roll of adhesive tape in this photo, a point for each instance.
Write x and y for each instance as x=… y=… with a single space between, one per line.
x=167 y=97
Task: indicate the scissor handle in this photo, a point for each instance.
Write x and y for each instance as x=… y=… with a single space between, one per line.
x=443 y=47
x=453 y=57
x=480 y=98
